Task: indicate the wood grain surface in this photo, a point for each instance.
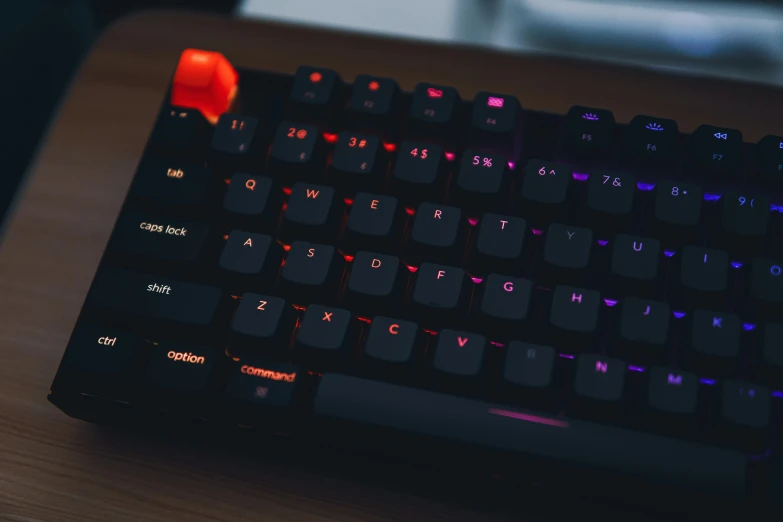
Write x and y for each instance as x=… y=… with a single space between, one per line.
x=55 y=468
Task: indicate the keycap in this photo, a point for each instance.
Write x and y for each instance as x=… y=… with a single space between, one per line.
x=252 y=254
x=154 y=296
x=744 y=222
x=677 y=213
x=502 y=306
x=254 y=196
x=716 y=151
x=703 y=276
x=714 y=343
x=598 y=386
x=100 y=350
x=184 y=367
x=325 y=337
x=495 y=124
x=745 y=415
x=771 y=350
x=375 y=284
x=481 y=183
x=234 y=134
x=315 y=94
x=357 y=164
x=766 y=287
x=498 y=245
x=573 y=319
x=544 y=191
x=374 y=223
x=433 y=109
x=527 y=432
x=439 y=297
x=672 y=399
x=171 y=181
x=769 y=161
x=311 y=273
x=419 y=173
x=566 y=254
x=313 y=212
x=528 y=374
x=266 y=320
x=157 y=236
x=374 y=103
x=459 y=354
x=180 y=130
x=391 y=343
x=259 y=381
x=610 y=199
x=297 y=153
x=653 y=140
x=204 y=80
x=634 y=265
x=588 y=132
x=644 y=330
x=438 y=234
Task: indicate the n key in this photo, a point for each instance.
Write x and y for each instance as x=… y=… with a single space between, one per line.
x=313 y=212
x=599 y=386
x=376 y=284
x=498 y=246
x=437 y=235
x=325 y=337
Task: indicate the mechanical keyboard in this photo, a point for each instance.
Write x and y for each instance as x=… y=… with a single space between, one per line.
x=415 y=273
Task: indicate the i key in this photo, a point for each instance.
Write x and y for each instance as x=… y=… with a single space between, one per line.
x=391 y=344
x=375 y=224
x=588 y=133
x=438 y=234
x=297 y=153
x=313 y=212
x=326 y=337
x=311 y=273
x=573 y=319
x=502 y=306
x=440 y=296
x=644 y=330
x=566 y=254
x=459 y=354
x=610 y=201
x=544 y=192
x=704 y=276
x=498 y=245
x=677 y=213
x=598 y=386
x=714 y=343
x=634 y=267
x=262 y=324
x=357 y=164
x=481 y=182
x=419 y=173
x=375 y=285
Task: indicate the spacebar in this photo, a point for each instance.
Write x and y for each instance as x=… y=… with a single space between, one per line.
x=481 y=423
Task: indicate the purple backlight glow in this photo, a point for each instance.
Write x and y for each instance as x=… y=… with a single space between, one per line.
x=736 y=264
x=566 y=356
x=708 y=382
x=511 y=165
x=603 y=242
x=778 y=394
x=499 y=345
x=748 y=326
x=712 y=197
x=610 y=302
x=776 y=208
x=476 y=280
x=636 y=368
x=529 y=418
x=473 y=221
x=645 y=186
x=678 y=315
x=669 y=253
x=580 y=176
x=537 y=232
x=590 y=116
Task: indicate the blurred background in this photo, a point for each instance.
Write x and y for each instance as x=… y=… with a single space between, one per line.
x=43 y=41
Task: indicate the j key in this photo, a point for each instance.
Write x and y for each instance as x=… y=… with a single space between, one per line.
x=391 y=342
x=252 y=254
x=375 y=224
x=419 y=173
x=714 y=343
x=677 y=213
x=653 y=140
x=528 y=374
x=498 y=246
x=375 y=284
x=234 y=134
x=703 y=276
x=672 y=397
x=311 y=273
x=100 y=351
x=180 y=130
x=573 y=319
x=769 y=160
x=544 y=192
x=745 y=415
x=716 y=151
x=297 y=153
x=610 y=200
x=495 y=123
x=373 y=103
x=459 y=354
x=440 y=296
x=434 y=109
x=313 y=212
x=566 y=254
x=634 y=267
x=260 y=381
x=598 y=386
x=766 y=287
x=181 y=367
x=744 y=222
x=644 y=330
x=438 y=234
x=157 y=236
x=316 y=93
x=357 y=163
x=154 y=296
x=266 y=321
x=502 y=306
x=171 y=181
x=771 y=367
x=326 y=336
x=588 y=132
x=255 y=196
x=481 y=182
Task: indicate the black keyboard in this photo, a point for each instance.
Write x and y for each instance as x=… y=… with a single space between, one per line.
x=301 y=253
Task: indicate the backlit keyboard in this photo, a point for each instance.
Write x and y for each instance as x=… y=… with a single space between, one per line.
x=308 y=255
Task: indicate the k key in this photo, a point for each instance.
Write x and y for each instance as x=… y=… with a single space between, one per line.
x=714 y=343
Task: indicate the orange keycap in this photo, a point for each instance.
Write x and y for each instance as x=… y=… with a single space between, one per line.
x=206 y=81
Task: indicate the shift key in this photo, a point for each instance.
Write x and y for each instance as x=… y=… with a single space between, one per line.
x=157 y=236
x=154 y=296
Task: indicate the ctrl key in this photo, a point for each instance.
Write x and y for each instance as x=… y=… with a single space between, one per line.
x=102 y=354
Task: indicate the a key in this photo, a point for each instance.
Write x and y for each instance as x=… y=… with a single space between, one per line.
x=180 y=130
x=297 y=153
x=528 y=374
x=481 y=182
x=391 y=343
x=644 y=330
x=566 y=254
x=433 y=111
x=358 y=164
x=766 y=287
x=264 y=324
x=714 y=343
x=171 y=181
x=544 y=191
x=459 y=354
x=311 y=273
x=260 y=381
x=573 y=319
x=157 y=236
x=99 y=355
x=771 y=360
x=744 y=415
x=182 y=367
x=703 y=276
x=374 y=103
x=375 y=284
x=672 y=398
x=716 y=151
x=677 y=213
x=768 y=164
x=419 y=173
x=496 y=124
x=598 y=386
x=498 y=246
x=502 y=306
x=653 y=140
x=315 y=94
x=313 y=212
x=326 y=336
x=588 y=132
x=634 y=265
x=610 y=199
x=234 y=135
x=440 y=296
x=254 y=254
x=744 y=222
x=438 y=234
x=254 y=196
x=375 y=224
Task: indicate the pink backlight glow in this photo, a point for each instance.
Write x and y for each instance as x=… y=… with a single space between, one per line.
x=529 y=418
x=434 y=93
x=492 y=101
x=450 y=156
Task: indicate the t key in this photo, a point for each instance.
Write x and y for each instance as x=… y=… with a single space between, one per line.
x=498 y=246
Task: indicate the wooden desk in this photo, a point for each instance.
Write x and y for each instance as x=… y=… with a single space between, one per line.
x=55 y=468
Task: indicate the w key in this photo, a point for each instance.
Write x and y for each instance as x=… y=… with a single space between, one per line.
x=313 y=212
